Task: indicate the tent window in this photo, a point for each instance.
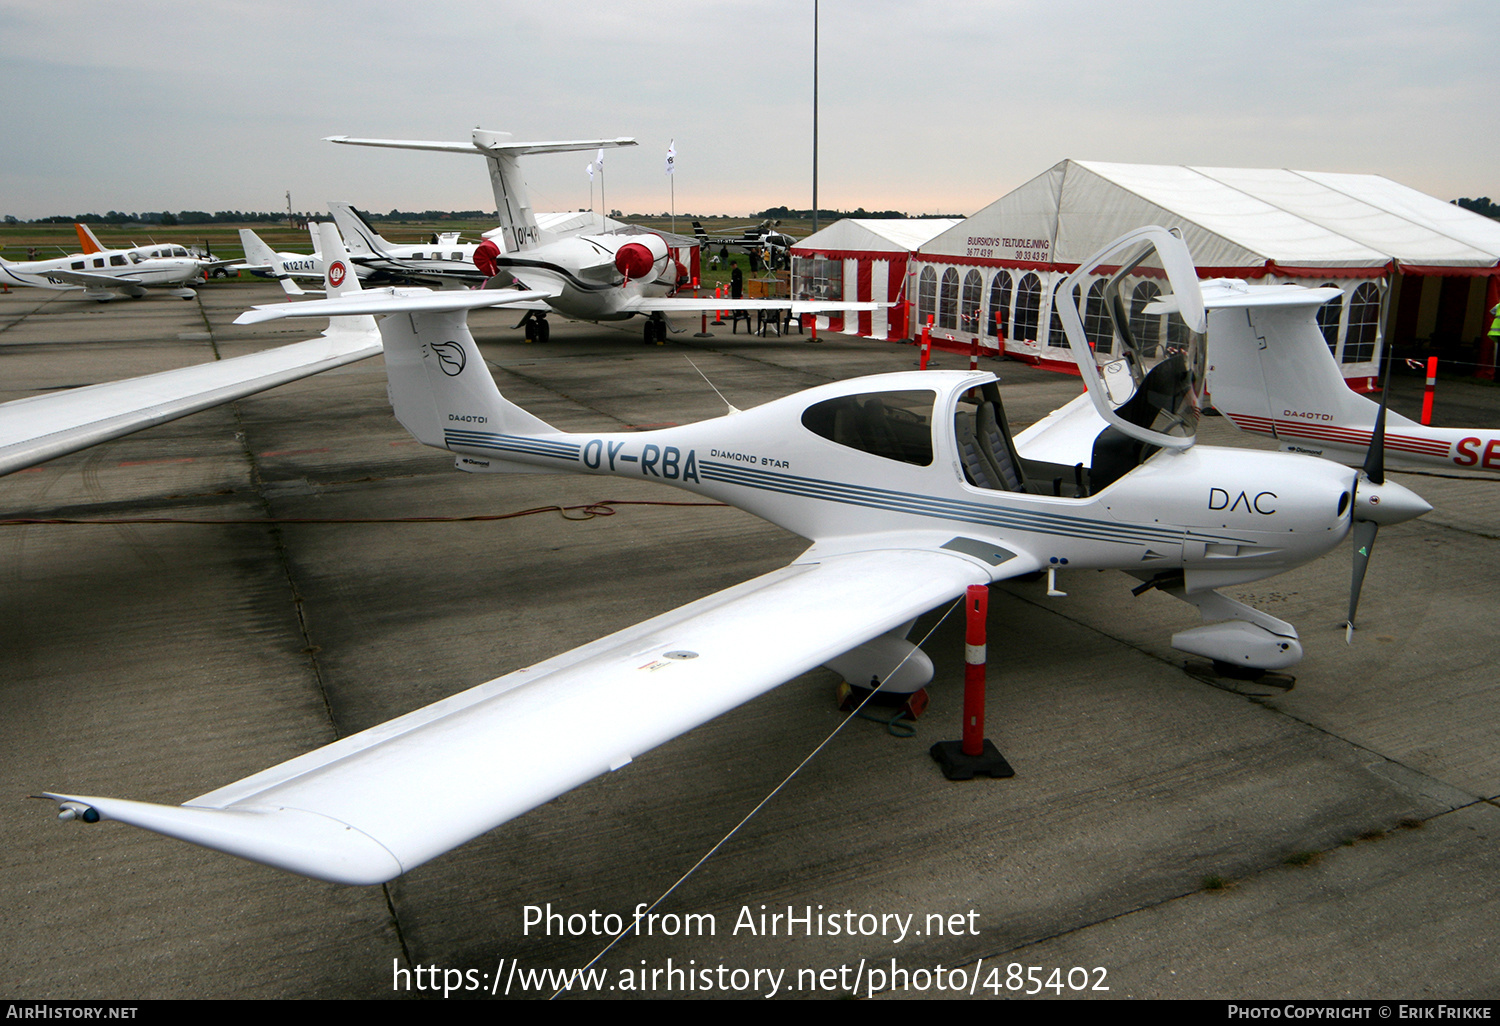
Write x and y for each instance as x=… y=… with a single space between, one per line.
x=973 y=298
x=892 y=425
x=926 y=296
x=1096 y=327
x=999 y=304
x=1330 y=316
x=1364 y=321
x=1145 y=327
x=1057 y=337
x=817 y=277
x=948 y=300
x=1028 y=307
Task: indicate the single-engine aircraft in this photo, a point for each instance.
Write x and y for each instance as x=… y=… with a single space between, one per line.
x=1271 y=373
x=105 y=274
x=910 y=490
x=110 y=273
x=604 y=277
x=264 y=262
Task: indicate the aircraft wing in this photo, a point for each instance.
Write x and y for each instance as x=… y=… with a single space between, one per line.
x=395 y=301
x=1065 y=436
x=42 y=427
x=381 y=802
x=93 y=281
x=691 y=304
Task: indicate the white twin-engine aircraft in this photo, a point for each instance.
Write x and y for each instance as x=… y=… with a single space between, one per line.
x=105 y=274
x=910 y=490
x=607 y=277
x=1271 y=373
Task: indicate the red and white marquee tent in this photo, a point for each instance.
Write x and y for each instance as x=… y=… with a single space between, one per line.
x=1360 y=233
x=863 y=260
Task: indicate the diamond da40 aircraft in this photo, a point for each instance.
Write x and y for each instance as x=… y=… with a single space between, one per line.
x=1271 y=373
x=605 y=277
x=910 y=491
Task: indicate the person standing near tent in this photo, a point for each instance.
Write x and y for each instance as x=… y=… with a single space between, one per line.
x=736 y=283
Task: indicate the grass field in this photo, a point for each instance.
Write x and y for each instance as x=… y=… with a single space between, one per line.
x=55 y=240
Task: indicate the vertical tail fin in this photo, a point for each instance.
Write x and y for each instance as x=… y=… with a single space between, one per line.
x=511 y=201
x=359 y=236
x=339 y=278
x=443 y=392
x=1270 y=362
x=259 y=254
x=87 y=239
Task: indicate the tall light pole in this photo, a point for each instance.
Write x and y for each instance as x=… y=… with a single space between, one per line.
x=815 y=116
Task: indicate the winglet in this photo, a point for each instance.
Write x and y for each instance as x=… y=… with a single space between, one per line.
x=301 y=842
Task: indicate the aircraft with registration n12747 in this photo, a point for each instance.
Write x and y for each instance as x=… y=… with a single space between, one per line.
x=910 y=490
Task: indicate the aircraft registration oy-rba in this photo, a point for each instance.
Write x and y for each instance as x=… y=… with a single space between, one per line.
x=590 y=277
x=910 y=489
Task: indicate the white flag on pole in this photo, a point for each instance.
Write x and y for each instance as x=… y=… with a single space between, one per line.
x=671 y=156
x=591 y=172
x=599 y=161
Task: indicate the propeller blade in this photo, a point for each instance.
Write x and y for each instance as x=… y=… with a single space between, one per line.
x=1375 y=456
x=1364 y=544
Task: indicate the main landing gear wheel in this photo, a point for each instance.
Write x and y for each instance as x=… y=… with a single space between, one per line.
x=1249 y=681
x=656 y=331
x=537 y=329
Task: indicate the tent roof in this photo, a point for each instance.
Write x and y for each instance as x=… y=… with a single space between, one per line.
x=1230 y=217
x=876 y=234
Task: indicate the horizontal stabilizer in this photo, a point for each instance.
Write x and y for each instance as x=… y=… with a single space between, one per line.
x=485 y=143
x=686 y=304
x=388 y=302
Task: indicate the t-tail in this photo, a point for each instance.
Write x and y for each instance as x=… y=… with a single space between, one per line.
x=1271 y=371
x=443 y=393
x=359 y=235
x=517 y=220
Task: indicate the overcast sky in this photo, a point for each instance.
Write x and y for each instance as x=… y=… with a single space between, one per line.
x=924 y=107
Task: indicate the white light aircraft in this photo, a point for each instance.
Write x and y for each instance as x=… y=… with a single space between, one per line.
x=105 y=274
x=607 y=277
x=908 y=487
x=43 y=427
x=263 y=261
x=1271 y=373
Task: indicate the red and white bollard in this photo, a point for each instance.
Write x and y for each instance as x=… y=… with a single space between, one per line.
x=1427 y=395
x=974 y=354
x=926 y=343
x=974 y=754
